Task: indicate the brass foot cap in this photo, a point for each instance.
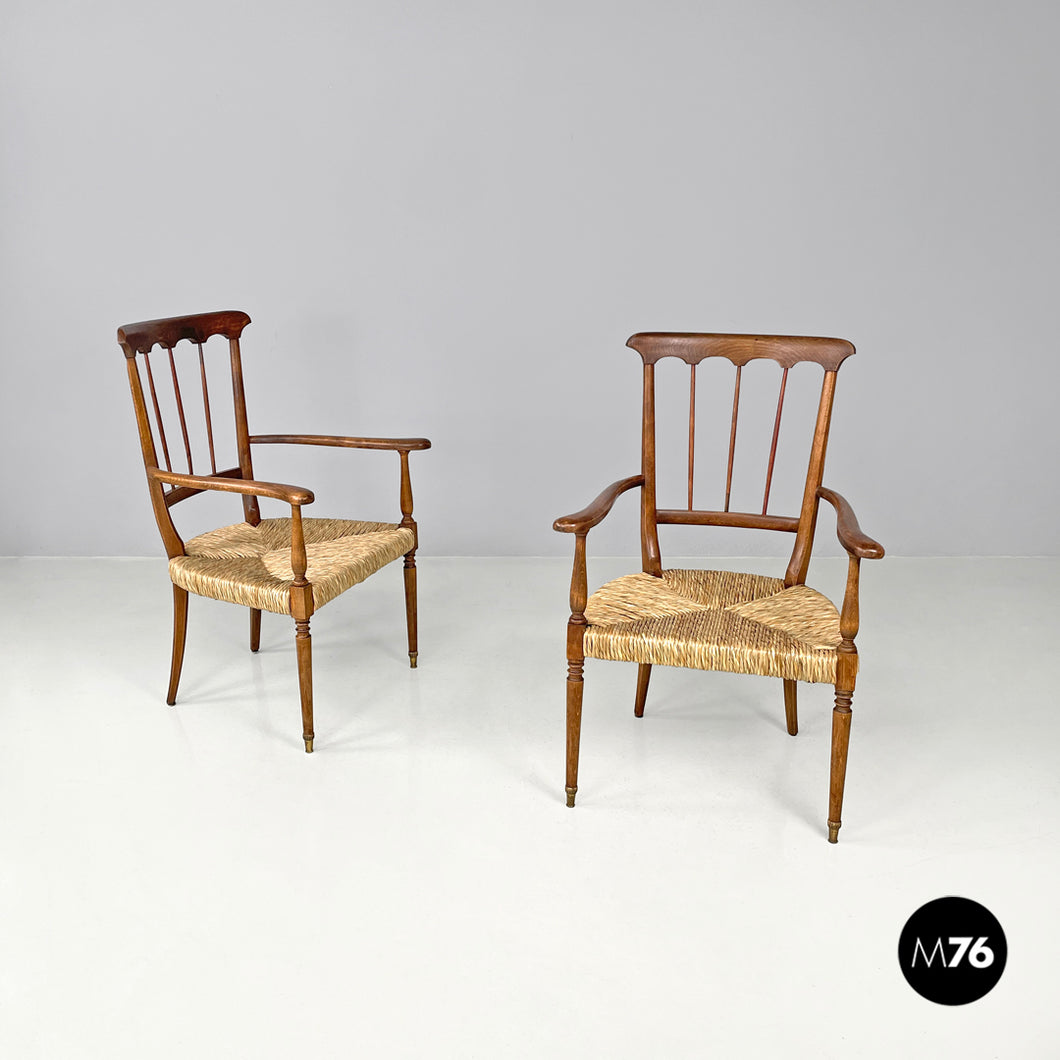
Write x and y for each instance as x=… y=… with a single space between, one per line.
x=833 y=832
x=309 y=746
x=413 y=656
x=571 y=792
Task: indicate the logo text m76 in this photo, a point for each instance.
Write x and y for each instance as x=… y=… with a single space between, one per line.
x=980 y=955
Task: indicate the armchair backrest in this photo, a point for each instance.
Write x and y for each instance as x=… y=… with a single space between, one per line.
x=191 y=404
x=786 y=351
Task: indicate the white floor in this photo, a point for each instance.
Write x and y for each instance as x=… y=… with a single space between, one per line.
x=186 y=882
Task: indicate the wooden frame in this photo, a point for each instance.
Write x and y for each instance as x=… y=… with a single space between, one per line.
x=786 y=351
x=138 y=340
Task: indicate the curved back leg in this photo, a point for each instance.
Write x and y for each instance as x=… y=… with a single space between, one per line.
x=180 y=633
x=791 y=707
x=643 y=676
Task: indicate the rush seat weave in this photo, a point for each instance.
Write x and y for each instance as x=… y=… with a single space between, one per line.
x=251 y=565
x=715 y=620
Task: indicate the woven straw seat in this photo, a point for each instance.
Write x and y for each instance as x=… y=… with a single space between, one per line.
x=251 y=565
x=715 y=620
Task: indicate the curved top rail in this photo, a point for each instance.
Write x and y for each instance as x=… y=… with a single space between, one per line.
x=198 y=327
x=786 y=350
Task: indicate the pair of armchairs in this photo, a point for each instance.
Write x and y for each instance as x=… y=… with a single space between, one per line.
x=711 y=620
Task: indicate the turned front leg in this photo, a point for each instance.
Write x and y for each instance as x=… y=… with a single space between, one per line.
x=575 y=660
x=303 y=643
x=837 y=779
x=845 y=676
x=575 y=685
x=301 y=610
x=411 y=616
x=410 y=607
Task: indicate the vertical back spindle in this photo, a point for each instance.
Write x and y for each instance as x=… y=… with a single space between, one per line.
x=773 y=447
x=206 y=409
x=180 y=410
x=649 y=529
x=158 y=412
x=250 y=504
x=732 y=435
x=691 y=434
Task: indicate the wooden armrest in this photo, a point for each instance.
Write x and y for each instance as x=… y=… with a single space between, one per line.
x=582 y=522
x=295 y=495
x=850 y=534
x=405 y=445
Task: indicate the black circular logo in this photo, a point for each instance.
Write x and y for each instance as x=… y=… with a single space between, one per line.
x=952 y=951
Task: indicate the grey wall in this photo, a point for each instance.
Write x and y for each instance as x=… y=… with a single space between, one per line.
x=446 y=219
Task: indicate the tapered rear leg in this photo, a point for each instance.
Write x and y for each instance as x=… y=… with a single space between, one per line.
x=255 y=629
x=410 y=607
x=643 y=676
x=180 y=632
x=791 y=706
x=840 y=742
x=304 y=647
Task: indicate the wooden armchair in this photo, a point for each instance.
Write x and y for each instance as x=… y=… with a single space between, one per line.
x=290 y=566
x=720 y=620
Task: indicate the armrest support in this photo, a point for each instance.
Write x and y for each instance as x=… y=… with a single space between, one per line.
x=402 y=445
x=293 y=495
x=582 y=522
x=850 y=534
x=858 y=546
